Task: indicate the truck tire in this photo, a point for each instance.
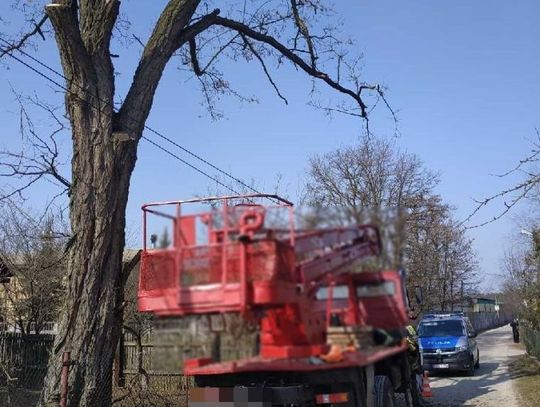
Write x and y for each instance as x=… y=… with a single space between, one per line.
x=384 y=392
x=413 y=397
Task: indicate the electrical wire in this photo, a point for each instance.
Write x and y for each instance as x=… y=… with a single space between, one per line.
x=147 y=127
x=188 y=164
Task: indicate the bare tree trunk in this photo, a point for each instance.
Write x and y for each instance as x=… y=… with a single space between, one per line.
x=102 y=164
x=91 y=324
x=92 y=319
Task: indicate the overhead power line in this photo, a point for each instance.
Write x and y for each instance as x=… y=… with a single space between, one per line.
x=147 y=127
x=189 y=165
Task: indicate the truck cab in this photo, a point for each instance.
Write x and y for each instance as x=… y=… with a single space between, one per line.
x=447 y=342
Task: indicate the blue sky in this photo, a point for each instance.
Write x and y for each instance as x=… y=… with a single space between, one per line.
x=463 y=76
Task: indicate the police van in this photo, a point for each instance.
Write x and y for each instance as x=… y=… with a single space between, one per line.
x=447 y=342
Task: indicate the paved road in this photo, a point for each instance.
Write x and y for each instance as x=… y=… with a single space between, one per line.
x=492 y=383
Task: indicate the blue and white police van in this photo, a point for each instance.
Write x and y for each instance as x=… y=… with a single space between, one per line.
x=447 y=342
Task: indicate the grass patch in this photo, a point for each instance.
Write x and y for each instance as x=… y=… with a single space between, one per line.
x=526 y=372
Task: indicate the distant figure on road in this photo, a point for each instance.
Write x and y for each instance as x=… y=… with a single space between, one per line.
x=515 y=329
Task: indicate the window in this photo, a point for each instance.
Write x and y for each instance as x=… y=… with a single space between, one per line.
x=451 y=327
x=376 y=290
x=340 y=292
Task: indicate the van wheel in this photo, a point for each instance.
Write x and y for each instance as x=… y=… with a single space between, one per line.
x=384 y=392
x=470 y=371
x=477 y=364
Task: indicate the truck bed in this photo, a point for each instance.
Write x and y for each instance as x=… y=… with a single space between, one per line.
x=358 y=358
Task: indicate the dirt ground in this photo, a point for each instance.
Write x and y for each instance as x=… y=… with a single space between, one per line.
x=493 y=384
x=526 y=372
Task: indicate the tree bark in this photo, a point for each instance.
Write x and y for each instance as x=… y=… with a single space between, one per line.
x=102 y=164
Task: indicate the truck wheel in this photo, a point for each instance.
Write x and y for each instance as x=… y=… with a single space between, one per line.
x=384 y=392
x=413 y=398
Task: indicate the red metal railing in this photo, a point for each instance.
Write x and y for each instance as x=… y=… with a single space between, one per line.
x=168 y=276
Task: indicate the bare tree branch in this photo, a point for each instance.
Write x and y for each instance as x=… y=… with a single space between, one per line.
x=39 y=157
x=523 y=190
x=193 y=55
x=265 y=69
x=19 y=44
x=295 y=59
x=303 y=30
x=516 y=194
x=533 y=157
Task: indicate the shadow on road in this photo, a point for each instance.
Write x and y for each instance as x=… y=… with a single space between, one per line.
x=464 y=388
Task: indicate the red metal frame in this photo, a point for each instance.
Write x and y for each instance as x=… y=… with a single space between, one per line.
x=362 y=357
x=267 y=274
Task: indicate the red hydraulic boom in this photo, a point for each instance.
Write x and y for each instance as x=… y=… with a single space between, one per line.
x=240 y=258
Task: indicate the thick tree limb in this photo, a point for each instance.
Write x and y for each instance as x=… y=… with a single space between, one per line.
x=97 y=23
x=193 y=55
x=130 y=265
x=73 y=52
x=303 y=29
x=291 y=56
x=171 y=33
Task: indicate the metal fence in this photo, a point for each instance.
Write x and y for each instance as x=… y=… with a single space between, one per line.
x=23 y=365
x=531 y=340
x=482 y=321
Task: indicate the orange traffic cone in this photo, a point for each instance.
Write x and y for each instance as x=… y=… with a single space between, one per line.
x=426 y=389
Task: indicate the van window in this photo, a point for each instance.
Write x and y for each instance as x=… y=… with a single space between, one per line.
x=451 y=327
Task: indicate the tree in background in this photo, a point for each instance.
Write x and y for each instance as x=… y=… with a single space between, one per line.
x=32 y=249
x=372 y=181
x=440 y=258
x=521 y=286
x=368 y=181
x=164 y=239
x=301 y=34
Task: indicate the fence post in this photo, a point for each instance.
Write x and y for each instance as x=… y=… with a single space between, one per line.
x=64 y=378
